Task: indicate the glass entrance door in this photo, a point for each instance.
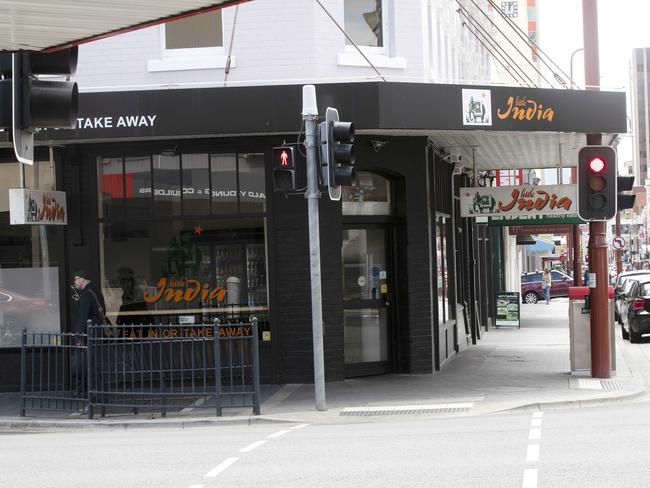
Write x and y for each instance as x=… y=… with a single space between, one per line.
x=365 y=287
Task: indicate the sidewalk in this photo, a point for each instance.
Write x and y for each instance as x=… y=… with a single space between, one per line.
x=509 y=368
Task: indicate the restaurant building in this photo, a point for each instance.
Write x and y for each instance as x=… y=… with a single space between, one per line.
x=170 y=205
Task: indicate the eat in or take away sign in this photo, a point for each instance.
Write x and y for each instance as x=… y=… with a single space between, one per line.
x=518 y=201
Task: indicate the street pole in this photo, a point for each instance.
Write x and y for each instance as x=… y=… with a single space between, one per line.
x=599 y=298
x=310 y=117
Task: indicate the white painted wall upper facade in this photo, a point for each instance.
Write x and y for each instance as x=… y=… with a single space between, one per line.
x=295 y=42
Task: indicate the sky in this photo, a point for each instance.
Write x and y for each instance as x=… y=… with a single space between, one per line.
x=622 y=26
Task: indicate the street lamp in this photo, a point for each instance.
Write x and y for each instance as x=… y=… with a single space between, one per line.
x=571 y=68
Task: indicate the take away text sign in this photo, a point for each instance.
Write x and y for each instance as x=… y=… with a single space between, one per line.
x=36 y=207
x=518 y=200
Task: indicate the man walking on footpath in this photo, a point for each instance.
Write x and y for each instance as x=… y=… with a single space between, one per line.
x=91 y=301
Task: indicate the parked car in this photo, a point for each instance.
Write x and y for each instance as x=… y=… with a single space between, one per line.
x=635 y=310
x=619 y=288
x=18 y=312
x=531 y=285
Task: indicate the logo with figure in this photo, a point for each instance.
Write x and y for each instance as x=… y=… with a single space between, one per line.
x=477 y=107
x=483 y=204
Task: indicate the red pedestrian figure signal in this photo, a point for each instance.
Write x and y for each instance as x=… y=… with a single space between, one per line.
x=284 y=169
x=284 y=159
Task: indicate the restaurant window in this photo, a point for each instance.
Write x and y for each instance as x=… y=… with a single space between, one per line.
x=370 y=195
x=184 y=271
x=29 y=264
x=183 y=185
x=442 y=276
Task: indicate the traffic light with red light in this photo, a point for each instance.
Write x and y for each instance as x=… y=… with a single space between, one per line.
x=597 y=193
x=284 y=169
x=337 y=151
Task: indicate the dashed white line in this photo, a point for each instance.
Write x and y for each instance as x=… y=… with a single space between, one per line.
x=299 y=426
x=252 y=446
x=538 y=415
x=277 y=434
x=530 y=478
x=222 y=467
x=535 y=434
x=532 y=453
x=536 y=422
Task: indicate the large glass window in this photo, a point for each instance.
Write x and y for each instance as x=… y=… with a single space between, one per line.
x=184 y=271
x=186 y=184
x=29 y=268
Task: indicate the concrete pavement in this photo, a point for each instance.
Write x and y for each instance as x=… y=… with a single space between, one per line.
x=508 y=369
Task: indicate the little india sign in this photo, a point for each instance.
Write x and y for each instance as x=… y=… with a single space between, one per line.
x=518 y=200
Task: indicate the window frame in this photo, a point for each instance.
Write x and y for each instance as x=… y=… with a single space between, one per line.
x=190 y=58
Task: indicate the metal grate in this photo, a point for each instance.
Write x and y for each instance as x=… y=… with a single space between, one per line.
x=441 y=409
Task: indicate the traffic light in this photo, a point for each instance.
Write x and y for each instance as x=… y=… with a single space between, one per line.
x=337 y=151
x=37 y=104
x=597 y=183
x=624 y=200
x=284 y=169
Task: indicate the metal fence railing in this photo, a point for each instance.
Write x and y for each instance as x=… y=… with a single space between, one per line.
x=126 y=368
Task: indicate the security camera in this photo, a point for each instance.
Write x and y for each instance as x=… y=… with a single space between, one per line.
x=455 y=158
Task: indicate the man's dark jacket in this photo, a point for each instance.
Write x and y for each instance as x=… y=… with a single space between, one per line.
x=88 y=308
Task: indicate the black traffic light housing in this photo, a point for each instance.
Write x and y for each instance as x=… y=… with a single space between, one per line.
x=337 y=153
x=597 y=183
x=624 y=200
x=37 y=104
x=284 y=169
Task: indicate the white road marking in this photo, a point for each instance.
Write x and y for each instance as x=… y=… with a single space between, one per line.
x=299 y=426
x=535 y=434
x=538 y=415
x=277 y=434
x=536 y=423
x=222 y=467
x=532 y=453
x=197 y=403
x=530 y=478
x=196 y=486
x=252 y=446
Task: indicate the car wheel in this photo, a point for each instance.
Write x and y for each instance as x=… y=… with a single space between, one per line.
x=635 y=337
x=624 y=333
x=530 y=297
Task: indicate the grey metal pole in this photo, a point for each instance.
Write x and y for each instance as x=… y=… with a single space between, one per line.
x=310 y=116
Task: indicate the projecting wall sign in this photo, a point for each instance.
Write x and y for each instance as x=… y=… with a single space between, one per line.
x=518 y=200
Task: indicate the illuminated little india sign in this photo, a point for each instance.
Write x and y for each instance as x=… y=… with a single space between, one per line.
x=189 y=331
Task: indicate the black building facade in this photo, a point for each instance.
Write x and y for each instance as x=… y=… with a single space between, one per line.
x=171 y=207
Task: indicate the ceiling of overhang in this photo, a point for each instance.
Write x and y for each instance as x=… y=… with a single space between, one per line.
x=505 y=150
x=41 y=25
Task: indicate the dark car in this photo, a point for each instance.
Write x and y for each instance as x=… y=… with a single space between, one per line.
x=531 y=285
x=18 y=312
x=619 y=288
x=635 y=310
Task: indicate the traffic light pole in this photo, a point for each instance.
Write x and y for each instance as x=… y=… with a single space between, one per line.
x=310 y=116
x=599 y=299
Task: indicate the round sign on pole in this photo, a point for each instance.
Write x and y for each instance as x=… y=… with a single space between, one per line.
x=618 y=243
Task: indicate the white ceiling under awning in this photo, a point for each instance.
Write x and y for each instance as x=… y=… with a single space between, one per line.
x=491 y=150
x=41 y=25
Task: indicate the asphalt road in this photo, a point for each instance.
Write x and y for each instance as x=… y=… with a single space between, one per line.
x=588 y=447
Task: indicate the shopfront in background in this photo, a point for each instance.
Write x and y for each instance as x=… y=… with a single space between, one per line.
x=182 y=237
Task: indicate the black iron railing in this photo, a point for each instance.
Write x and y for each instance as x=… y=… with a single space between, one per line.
x=124 y=368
